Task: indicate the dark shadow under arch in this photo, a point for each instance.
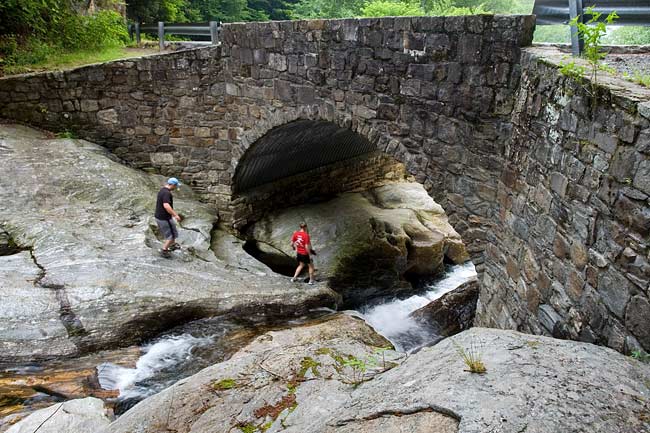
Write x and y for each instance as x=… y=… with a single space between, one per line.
x=295 y=148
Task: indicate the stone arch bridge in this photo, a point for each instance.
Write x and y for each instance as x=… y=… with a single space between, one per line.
x=550 y=196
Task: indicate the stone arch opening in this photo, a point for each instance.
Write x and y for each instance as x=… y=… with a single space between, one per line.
x=305 y=161
x=378 y=229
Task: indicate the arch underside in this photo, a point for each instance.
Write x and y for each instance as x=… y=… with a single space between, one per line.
x=294 y=148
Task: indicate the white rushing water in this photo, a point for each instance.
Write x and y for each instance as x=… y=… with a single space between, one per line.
x=391 y=318
x=162 y=355
x=170 y=358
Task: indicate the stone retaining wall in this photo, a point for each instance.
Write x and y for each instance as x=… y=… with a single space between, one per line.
x=571 y=255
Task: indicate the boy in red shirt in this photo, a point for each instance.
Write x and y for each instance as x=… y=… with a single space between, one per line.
x=301 y=242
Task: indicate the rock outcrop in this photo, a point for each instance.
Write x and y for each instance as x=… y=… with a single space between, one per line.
x=371 y=241
x=73 y=416
x=453 y=312
x=89 y=276
x=329 y=377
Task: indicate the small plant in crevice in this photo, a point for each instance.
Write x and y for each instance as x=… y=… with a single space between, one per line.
x=67 y=134
x=472 y=356
x=224 y=384
x=591 y=32
x=640 y=355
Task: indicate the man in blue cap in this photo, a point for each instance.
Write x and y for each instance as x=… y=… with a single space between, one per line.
x=165 y=216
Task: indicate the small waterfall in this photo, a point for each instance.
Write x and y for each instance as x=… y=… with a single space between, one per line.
x=162 y=358
x=391 y=317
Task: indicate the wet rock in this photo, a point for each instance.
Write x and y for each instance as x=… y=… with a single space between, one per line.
x=74 y=416
x=373 y=241
x=291 y=381
x=453 y=312
x=94 y=278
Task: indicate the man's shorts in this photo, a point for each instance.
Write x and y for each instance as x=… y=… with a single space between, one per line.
x=167 y=228
x=303 y=258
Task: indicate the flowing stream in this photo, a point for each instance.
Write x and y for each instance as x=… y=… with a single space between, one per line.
x=139 y=372
x=193 y=347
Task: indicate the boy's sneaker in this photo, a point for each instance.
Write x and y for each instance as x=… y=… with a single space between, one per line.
x=311 y=282
x=166 y=254
x=175 y=246
x=293 y=280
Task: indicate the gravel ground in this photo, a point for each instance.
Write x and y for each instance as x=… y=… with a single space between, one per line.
x=630 y=63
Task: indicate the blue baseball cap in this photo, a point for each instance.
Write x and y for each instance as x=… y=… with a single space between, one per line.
x=173 y=181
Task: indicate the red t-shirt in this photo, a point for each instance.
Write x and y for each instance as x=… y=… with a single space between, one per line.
x=301 y=239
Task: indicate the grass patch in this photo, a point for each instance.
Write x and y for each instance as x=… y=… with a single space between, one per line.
x=641 y=356
x=471 y=356
x=225 y=384
x=63 y=60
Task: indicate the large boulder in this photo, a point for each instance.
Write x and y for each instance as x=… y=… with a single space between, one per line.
x=73 y=416
x=453 y=312
x=373 y=241
x=330 y=377
x=89 y=275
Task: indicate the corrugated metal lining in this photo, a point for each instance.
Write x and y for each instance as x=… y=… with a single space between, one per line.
x=631 y=12
x=295 y=148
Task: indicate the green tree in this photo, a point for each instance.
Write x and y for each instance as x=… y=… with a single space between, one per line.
x=394 y=8
x=632 y=35
x=271 y=9
x=151 y=11
x=306 y=9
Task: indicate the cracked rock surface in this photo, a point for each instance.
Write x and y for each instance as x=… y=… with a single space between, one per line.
x=533 y=384
x=94 y=278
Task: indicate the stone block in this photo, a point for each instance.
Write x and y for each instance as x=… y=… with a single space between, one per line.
x=162 y=158
x=614 y=289
x=108 y=117
x=559 y=183
x=642 y=176
x=89 y=105
x=548 y=317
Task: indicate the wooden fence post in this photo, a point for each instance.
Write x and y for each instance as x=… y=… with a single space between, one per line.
x=214 y=33
x=161 y=35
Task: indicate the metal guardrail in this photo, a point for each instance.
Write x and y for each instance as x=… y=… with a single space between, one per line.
x=630 y=12
x=206 y=30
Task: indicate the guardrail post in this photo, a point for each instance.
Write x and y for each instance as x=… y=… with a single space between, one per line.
x=161 y=35
x=137 y=33
x=213 y=33
x=575 y=10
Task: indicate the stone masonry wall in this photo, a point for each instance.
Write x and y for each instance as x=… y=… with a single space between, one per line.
x=571 y=255
x=356 y=174
x=161 y=111
x=550 y=197
x=433 y=92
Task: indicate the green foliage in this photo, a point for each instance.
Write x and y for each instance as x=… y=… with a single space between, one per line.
x=308 y=9
x=555 y=34
x=639 y=78
x=393 y=8
x=224 y=384
x=450 y=8
x=66 y=134
x=306 y=364
x=630 y=35
x=640 y=355
x=152 y=11
x=591 y=32
x=573 y=70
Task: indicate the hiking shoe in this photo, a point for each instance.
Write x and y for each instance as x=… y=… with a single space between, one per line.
x=175 y=246
x=293 y=280
x=166 y=254
x=311 y=282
